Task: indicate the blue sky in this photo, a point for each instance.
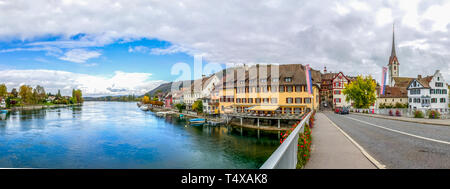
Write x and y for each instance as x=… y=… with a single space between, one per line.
x=120 y=47
x=116 y=56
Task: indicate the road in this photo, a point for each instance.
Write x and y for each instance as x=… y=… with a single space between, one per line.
x=398 y=144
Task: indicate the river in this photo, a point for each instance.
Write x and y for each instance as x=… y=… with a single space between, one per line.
x=119 y=135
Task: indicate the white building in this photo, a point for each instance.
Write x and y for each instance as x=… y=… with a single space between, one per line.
x=339 y=82
x=428 y=93
x=200 y=88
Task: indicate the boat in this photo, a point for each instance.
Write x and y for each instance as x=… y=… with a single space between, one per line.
x=197 y=121
x=162 y=114
x=3 y=111
x=144 y=108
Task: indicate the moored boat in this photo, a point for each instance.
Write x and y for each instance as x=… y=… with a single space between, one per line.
x=197 y=121
x=144 y=108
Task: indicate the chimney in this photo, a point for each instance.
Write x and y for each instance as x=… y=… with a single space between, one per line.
x=325 y=69
x=419 y=76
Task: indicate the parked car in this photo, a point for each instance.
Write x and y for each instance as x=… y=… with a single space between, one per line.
x=337 y=110
x=343 y=110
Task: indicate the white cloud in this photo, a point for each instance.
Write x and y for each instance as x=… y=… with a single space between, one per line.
x=79 y=55
x=121 y=83
x=319 y=33
x=384 y=16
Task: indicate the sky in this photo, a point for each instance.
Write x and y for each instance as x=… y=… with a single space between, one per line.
x=107 y=47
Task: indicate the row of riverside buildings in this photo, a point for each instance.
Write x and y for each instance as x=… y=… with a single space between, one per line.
x=282 y=89
x=262 y=89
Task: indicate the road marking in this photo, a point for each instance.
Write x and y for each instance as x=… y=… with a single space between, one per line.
x=401 y=132
x=363 y=151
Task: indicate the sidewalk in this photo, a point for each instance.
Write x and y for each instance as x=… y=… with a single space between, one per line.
x=443 y=122
x=333 y=150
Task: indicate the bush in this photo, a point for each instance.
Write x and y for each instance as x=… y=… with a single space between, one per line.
x=418 y=114
x=304 y=147
x=434 y=114
x=397 y=113
x=390 y=113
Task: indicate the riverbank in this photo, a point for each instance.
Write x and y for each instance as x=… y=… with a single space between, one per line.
x=35 y=107
x=220 y=120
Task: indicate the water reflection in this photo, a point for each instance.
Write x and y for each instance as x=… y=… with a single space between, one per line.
x=119 y=135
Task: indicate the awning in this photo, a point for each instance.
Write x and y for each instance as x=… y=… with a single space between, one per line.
x=264 y=108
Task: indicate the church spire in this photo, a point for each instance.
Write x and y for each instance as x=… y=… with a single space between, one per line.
x=393 y=57
x=393 y=43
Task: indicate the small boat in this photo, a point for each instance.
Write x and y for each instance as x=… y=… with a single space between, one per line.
x=144 y=108
x=196 y=124
x=3 y=111
x=197 y=121
x=162 y=114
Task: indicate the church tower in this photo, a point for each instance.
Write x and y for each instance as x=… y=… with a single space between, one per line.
x=393 y=62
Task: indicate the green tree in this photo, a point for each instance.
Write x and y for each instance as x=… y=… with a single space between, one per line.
x=180 y=107
x=58 y=95
x=40 y=93
x=3 y=91
x=198 y=106
x=361 y=92
x=14 y=92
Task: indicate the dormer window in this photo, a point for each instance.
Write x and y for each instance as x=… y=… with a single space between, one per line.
x=274 y=79
x=288 y=79
x=263 y=80
x=241 y=82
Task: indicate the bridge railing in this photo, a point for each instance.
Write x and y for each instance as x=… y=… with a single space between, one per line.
x=285 y=156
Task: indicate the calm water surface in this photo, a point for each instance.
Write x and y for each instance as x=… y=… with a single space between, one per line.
x=119 y=135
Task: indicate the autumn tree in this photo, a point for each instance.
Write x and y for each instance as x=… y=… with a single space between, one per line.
x=26 y=94
x=198 y=106
x=146 y=100
x=361 y=91
x=3 y=91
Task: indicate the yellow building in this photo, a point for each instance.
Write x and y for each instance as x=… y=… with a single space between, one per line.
x=268 y=90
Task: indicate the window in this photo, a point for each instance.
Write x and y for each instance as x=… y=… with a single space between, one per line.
x=250 y=100
x=289 y=100
x=263 y=80
x=241 y=82
x=289 y=88
x=274 y=79
x=258 y=100
x=288 y=79
x=433 y=100
x=414 y=91
x=265 y=100
x=282 y=89
x=297 y=110
x=264 y=89
x=308 y=100
x=444 y=91
x=431 y=91
x=439 y=84
x=298 y=100
x=274 y=89
x=442 y=100
x=274 y=100
x=251 y=81
x=298 y=88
